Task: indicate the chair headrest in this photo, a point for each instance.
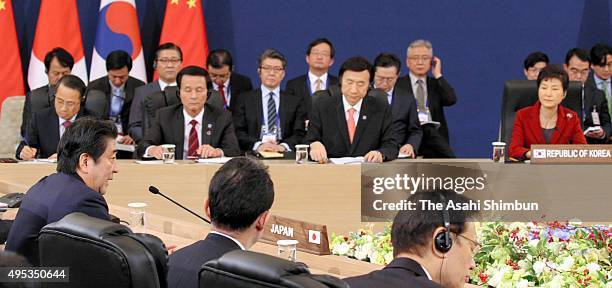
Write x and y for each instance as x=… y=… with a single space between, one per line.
x=257 y=266
x=82 y=225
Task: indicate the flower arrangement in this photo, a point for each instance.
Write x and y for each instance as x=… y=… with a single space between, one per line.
x=548 y=254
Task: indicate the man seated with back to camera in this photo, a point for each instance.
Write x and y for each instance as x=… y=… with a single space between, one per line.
x=198 y=128
x=431 y=248
x=86 y=162
x=240 y=196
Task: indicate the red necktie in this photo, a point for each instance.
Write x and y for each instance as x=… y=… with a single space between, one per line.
x=351 y=124
x=193 y=140
x=66 y=124
x=222 y=91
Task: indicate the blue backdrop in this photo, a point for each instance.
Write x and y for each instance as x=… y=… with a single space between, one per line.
x=481 y=43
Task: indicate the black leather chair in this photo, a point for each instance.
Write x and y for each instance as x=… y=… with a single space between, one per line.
x=101 y=253
x=96 y=102
x=255 y=270
x=519 y=94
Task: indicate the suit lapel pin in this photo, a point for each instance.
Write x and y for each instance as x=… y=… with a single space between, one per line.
x=364 y=117
x=208 y=132
x=209 y=126
x=569 y=115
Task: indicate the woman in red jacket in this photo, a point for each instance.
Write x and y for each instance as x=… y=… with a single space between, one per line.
x=546 y=122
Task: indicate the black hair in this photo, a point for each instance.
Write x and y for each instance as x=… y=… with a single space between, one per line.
x=168 y=46
x=320 y=41
x=534 y=58
x=582 y=54
x=63 y=58
x=73 y=82
x=412 y=229
x=272 y=54
x=599 y=54
x=193 y=71
x=554 y=72
x=356 y=64
x=239 y=192
x=117 y=60
x=86 y=135
x=218 y=58
x=387 y=60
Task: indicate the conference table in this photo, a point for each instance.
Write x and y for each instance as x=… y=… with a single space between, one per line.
x=323 y=194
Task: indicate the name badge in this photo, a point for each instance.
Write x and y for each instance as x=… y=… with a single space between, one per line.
x=595 y=117
x=423 y=117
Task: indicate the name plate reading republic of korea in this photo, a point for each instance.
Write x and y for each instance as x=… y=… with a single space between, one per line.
x=571 y=154
x=312 y=238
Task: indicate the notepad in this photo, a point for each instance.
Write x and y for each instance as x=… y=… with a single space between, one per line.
x=123 y=147
x=270 y=155
x=221 y=160
x=347 y=160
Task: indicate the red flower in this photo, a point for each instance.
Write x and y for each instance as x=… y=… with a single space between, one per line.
x=483 y=277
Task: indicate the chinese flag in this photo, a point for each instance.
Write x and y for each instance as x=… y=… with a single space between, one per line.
x=184 y=26
x=10 y=71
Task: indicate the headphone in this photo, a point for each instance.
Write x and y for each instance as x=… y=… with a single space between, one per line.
x=443 y=241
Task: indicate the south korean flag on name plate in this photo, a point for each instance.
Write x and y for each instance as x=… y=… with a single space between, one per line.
x=314 y=237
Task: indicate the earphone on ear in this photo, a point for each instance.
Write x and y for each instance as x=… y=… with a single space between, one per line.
x=443 y=241
x=154 y=64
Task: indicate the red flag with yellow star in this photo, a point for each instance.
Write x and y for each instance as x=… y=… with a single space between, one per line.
x=184 y=26
x=10 y=71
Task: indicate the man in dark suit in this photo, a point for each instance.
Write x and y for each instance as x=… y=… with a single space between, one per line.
x=533 y=64
x=352 y=122
x=86 y=162
x=319 y=56
x=240 y=196
x=198 y=128
x=432 y=95
x=168 y=61
x=406 y=124
x=58 y=62
x=119 y=88
x=49 y=124
x=431 y=248
x=601 y=63
x=268 y=119
x=229 y=83
x=594 y=105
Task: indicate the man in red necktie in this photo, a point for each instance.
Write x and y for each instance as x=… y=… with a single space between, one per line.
x=230 y=84
x=354 y=121
x=197 y=128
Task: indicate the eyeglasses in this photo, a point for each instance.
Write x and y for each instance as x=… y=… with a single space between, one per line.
x=417 y=58
x=474 y=245
x=166 y=61
x=272 y=68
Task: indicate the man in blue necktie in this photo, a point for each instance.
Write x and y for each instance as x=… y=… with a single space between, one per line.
x=119 y=88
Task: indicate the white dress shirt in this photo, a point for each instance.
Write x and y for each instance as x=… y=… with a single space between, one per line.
x=414 y=80
x=313 y=81
x=348 y=106
x=226 y=90
x=187 y=126
x=265 y=96
x=163 y=85
x=62 y=129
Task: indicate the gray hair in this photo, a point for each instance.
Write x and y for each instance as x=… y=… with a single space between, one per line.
x=419 y=43
x=272 y=54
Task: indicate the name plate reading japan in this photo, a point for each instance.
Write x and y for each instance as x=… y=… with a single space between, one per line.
x=570 y=154
x=312 y=238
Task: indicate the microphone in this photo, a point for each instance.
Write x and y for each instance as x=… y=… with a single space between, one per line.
x=154 y=190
